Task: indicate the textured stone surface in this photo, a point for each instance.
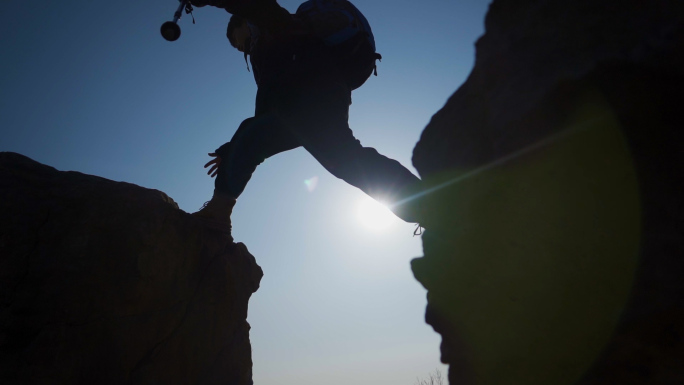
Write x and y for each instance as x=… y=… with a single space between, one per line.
x=555 y=243
x=105 y=282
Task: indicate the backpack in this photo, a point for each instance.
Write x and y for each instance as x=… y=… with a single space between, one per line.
x=341 y=26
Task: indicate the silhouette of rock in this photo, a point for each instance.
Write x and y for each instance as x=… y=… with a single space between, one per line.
x=105 y=282
x=554 y=247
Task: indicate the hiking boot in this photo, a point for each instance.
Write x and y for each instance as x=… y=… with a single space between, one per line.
x=216 y=212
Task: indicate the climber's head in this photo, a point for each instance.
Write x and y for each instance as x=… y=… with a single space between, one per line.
x=239 y=33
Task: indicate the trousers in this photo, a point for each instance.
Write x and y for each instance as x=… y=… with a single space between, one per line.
x=313 y=116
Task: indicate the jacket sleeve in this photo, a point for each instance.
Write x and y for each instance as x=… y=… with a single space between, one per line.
x=265 y=14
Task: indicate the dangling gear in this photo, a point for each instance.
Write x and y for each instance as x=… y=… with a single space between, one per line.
x=170 y=30
x=216 y=212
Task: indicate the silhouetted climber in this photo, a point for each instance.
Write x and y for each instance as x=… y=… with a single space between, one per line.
x=303 y=98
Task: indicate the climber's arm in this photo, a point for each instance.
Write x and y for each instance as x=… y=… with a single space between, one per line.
x=265 y=14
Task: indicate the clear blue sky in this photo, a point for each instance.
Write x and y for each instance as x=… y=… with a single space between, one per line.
x=92 y=87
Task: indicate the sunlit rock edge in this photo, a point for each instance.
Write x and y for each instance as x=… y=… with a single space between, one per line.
x=555 y=179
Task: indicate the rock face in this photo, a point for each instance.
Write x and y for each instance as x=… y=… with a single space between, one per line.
x=109 y=283
x=554 y=247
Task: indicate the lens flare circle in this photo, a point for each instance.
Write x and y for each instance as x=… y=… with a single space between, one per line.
x=374 y=215
x=311 y=183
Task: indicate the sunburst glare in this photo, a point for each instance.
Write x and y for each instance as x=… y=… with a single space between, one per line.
x=375 y=215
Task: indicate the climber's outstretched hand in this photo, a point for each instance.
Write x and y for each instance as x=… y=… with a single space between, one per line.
x=214 y=163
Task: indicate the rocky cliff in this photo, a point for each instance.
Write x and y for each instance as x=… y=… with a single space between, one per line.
x=104 y=282
x=554 y=250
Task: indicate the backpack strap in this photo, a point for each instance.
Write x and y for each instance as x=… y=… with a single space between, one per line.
x=246 y=62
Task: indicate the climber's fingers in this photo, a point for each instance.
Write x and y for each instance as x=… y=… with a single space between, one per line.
x=213 y=170
x=216 y=160
x=214 y=163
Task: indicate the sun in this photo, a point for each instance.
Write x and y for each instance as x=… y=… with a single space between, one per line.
x=374 y=215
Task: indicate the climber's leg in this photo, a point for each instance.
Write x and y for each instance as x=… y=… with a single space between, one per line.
x=216 y=212
x=255 y=140
x=319 y=121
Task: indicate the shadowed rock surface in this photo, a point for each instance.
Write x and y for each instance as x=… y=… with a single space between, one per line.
x=554 y=249
x=105 y=282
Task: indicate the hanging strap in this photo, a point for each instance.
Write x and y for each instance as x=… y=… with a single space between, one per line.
x=375 y=66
